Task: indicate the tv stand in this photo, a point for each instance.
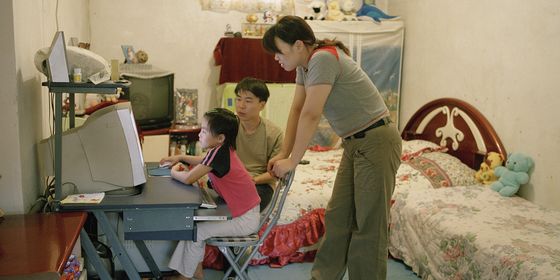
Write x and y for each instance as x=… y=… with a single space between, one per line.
x=155 y=126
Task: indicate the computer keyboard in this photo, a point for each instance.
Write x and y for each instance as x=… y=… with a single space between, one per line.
x=207 y=200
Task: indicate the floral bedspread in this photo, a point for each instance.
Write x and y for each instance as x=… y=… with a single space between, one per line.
x=301 y=224
x=473 y=233
x=442 y=224
x=312 y=185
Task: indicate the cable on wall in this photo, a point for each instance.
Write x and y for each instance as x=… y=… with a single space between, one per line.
x=56 y=16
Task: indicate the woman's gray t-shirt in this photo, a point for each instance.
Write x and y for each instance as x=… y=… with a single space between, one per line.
x=354 y=102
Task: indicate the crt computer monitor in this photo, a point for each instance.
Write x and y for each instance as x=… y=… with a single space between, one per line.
x=151 y=95
x=102 y=155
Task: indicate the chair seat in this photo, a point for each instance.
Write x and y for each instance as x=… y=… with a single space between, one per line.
x=233 y=241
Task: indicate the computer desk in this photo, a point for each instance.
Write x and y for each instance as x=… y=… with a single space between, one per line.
x=165 y=210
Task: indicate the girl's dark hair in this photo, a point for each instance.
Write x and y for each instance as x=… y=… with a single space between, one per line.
x=255 y=86
x=292 y=28
x=223 y=121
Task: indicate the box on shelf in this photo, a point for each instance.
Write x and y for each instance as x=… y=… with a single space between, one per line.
x=256 y=29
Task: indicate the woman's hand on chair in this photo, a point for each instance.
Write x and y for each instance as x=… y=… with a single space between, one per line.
x=272 y=161
x=283 y=166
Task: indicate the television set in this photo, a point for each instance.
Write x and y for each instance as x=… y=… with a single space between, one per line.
x=151 y=95
x=102 y=155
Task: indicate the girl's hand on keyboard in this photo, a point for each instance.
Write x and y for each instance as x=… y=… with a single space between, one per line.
x=179 y=167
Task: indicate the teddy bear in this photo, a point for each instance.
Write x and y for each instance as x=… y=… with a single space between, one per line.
x=485 y=174
x=514 y=174
x=347 y=8
x=333 y=11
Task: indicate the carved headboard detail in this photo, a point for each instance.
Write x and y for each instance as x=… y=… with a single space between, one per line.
x=458 y=126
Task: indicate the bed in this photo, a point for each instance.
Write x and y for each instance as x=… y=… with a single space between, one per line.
x=464 y=230
x=444 y=224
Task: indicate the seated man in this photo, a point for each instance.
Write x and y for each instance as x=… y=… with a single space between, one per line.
x=258 y=139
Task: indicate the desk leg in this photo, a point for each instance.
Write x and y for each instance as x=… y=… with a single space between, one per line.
x=116 y=246
x=148 y=258
x=92 y=256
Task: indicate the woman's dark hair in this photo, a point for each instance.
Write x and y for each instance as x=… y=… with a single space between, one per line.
x=292 y=28
x=223 y=121
x=255 y=86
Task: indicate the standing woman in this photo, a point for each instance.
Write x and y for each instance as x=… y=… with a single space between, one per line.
x=329 y=82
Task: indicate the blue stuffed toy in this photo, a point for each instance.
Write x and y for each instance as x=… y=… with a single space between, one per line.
x=513 y=175
x=373 y=12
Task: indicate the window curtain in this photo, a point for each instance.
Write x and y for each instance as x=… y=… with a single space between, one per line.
x=249 y=6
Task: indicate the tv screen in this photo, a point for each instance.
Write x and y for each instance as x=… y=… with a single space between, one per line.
x=151 y=97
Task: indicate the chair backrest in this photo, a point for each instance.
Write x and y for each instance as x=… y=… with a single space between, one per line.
x=272 y=212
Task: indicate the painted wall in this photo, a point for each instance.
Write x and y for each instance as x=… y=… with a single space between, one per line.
x=26 y=26
x=10 y=165
x=501 y=56
x=177 y=35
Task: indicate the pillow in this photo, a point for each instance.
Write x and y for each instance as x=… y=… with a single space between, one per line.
x=444 y=170
x=412 y=146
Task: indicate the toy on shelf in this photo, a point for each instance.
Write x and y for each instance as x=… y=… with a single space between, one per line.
x=348 y=10
x=318 y=8
x=513 y=175
x=333 y=11
x=372 y=12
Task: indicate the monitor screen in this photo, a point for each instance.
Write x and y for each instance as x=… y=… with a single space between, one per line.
x=57 y=62
x=151 y=97
x=102 y=155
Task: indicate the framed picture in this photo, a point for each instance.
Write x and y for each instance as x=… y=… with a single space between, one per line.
x=186 y=106
x=129 y=54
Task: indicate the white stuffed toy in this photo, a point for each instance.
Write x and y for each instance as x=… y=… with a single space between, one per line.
x=319 y=10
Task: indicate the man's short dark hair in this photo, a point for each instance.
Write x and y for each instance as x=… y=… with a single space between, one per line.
x=255 y=86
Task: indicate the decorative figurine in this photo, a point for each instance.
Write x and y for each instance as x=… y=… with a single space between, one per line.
x=228 y=32
x=268 y=17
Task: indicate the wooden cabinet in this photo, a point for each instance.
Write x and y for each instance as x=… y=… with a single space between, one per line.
x=178 y=139
x=180 y=135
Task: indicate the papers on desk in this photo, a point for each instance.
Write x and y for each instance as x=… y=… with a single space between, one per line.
x=90 y=198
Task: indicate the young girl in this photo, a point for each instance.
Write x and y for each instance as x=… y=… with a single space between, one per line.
x=228 y=178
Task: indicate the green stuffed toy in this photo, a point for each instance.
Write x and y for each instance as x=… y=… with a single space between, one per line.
x=513 y=175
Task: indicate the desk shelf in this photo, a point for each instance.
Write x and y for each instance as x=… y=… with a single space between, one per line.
x=71 y=88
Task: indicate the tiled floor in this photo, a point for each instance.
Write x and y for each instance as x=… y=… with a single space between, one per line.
x=395 y=271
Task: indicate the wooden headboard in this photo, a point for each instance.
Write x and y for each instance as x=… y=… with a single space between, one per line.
x=458 y=126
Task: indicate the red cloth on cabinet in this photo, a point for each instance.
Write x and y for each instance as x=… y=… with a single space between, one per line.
x=246 y=57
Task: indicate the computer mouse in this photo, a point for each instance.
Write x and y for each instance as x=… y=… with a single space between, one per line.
x=165 y=164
